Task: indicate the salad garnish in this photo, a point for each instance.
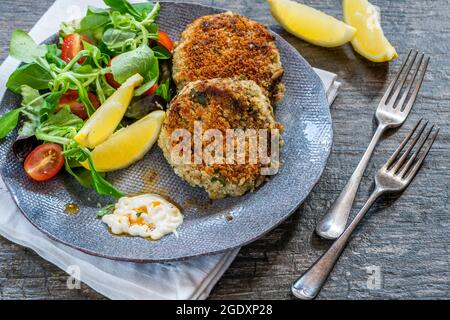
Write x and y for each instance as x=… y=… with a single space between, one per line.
x=63 y=84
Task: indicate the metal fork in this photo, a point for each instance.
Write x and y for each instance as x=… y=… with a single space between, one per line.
x=394 y=176
x=391 y=113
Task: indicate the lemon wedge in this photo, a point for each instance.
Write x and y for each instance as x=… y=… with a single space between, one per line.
x=369 y=41
x=101 y=125
x=310 y=24
x=128 y=144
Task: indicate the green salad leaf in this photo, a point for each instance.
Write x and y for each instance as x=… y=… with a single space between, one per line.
x=123 y=7
x=73 y=154
x=163 y=90
x=95 y=181
x=23 y=48
x=82 y=175
x=49 y=105
x=31 y=103
x=8 y=122
x=94 y=10
x=93 y=52
x=152 y=28
x=99 y=183
x=151 y=77
x=161 y=52
x=103 y=186
x=129 y=63
x=53 y=55
x=103 y=88
x=145 y=7
x=32 y=75
x=149 y=11
x=35 y=110
x=60 y=127
x=95 y=55
x=95 y=18
x=142 y=106
x=30 y=97
x=63 y=119
x=117 y=38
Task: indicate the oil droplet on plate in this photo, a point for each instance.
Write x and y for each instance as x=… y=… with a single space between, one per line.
x=197 y=204
x=150 y=180
x=71 y=209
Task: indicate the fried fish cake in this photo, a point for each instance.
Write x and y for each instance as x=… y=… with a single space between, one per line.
x=219 y=104
x=228 y=45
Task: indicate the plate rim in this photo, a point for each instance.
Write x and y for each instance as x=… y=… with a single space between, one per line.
x=233 y=246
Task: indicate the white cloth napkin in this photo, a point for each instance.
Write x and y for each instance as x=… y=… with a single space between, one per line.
x=188 y=279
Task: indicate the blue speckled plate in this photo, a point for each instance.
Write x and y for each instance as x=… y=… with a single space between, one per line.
x=207 y=228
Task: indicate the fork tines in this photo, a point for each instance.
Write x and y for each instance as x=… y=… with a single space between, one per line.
x=407 y=165
x=391 y=97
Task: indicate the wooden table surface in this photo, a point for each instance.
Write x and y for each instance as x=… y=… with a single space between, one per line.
x=404 y=238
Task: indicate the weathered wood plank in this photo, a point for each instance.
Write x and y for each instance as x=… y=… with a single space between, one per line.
x=407 y=237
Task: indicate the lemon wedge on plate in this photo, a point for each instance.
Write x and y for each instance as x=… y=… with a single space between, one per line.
x=310 y=24
x=369 y=40
x=128 y=144
x=101 y=125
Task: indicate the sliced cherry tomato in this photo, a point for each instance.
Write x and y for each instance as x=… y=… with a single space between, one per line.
x=72 y=44
x=165 y=40
x=70 y=98
x=44 y=162
x=111 y=81
x=150 y=91
x=110 y=77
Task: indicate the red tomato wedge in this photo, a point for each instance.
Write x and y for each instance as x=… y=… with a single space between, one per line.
x=150 y=91
x=165 y=40
x=110 y=77
x=44 y=162
x=72 y=44
x=111 y=81
x=70 y=98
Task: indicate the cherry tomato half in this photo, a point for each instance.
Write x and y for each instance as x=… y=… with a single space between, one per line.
x=44 y=162
x=165 y=40
x=70 y=98
x=72 y=44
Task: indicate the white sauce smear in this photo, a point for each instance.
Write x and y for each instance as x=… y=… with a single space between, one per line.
x=147 y=215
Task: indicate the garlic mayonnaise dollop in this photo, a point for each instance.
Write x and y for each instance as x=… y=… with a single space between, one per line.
x=146 y=215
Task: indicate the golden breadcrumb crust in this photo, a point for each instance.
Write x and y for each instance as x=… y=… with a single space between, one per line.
x=228 y=45
x=219 y=104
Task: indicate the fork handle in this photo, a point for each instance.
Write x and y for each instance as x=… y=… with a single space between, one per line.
x=333 y=223
x=307 y=286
